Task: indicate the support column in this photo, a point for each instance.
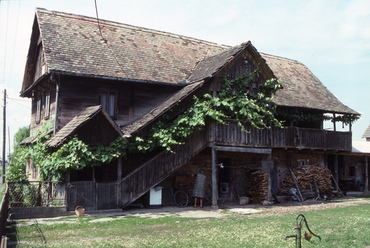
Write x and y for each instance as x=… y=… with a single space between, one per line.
x=269 y=180
x=336 y=176
x=95 y=195
x=119 y=178
x=214 y=179
x=366 y=175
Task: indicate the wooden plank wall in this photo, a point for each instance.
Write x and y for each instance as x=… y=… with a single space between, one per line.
x=80 y=193
x=157 y=169
x=133 y=101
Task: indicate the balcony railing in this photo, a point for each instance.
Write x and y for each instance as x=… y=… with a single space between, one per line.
x=289 y=137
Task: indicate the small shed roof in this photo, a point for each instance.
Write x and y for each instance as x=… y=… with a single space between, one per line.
x=366 y=133
x=78 y=121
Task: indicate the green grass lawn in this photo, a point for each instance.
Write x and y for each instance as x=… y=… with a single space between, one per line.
x=338 y=227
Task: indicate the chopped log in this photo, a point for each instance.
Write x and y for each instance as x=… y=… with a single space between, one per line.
x=258 y=186
x=305 y=179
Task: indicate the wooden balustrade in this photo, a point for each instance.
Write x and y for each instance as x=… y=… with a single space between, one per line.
x=289 y=137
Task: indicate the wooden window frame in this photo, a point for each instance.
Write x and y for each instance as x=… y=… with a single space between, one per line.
x=38 y=110
x=107 y=105
x=47 y=105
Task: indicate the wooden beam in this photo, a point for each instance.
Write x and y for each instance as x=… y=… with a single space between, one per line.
x=366 y=175
x=214 y=179
x=242 y=149
x=119 y=177
x=336 y=176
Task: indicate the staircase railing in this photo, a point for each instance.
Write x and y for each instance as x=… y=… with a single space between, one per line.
x=152 y=172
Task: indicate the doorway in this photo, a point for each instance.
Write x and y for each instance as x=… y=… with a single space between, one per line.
x=224 y=177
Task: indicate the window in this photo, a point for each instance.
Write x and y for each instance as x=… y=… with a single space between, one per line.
x=47 y=105
x=302 y=162
x=38 y=110
x=108 y=101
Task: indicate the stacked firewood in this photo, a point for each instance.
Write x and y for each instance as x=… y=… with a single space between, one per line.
x=257 y=186
x=304 y=176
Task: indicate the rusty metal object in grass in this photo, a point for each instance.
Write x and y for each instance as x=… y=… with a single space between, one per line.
x=298 y=227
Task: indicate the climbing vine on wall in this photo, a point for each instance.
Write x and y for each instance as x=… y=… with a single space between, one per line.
x=237 y=101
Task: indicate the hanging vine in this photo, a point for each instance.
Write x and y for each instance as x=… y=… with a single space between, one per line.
x=233 y=102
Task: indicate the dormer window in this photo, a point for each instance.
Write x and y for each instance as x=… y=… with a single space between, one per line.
x=108 y=101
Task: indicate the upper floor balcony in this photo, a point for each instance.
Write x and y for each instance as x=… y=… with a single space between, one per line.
x=288 y=137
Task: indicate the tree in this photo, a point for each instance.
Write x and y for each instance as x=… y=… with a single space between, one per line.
x=18 y=160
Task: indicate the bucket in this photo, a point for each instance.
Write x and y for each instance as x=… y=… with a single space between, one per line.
x=80 y=211
x=243 y=200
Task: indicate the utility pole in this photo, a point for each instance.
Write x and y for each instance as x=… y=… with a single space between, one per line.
x=4 y=135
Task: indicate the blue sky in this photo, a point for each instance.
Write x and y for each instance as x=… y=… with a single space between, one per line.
x=332 y=38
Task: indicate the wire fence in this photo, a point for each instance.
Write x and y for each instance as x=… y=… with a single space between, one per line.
x=36 y=194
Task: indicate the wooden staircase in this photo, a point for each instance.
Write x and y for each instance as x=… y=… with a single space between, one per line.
x=152 y=172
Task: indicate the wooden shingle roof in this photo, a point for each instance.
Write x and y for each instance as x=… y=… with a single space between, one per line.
x=302 y=89
x=73 y=44
x=78 y=121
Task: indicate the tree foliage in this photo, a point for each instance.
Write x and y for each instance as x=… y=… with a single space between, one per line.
x=17 y=166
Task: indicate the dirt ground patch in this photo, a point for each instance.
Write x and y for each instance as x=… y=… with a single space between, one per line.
x=228 y=208
x=224 y=210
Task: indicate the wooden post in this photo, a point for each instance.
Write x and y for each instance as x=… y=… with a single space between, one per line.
x=95 y=195
x=214 y=179
x=316 y=188
x=334 y=126
x=67 y=190
x=296 y=184
x=119 y=178
x=366 y=176
x=269 y=180
x=4 y=136
x=336 y=177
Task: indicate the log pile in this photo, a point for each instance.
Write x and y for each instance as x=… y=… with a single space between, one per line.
x=257 y=186
x=304 y=177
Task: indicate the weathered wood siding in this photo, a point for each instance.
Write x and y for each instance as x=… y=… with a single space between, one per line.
x=133 y=100
x=157 y=169
x=47 y=86
x=80 y=193
x=106 y=195
x=290 y=137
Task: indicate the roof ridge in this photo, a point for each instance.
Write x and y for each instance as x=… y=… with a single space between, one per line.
x=279 y=57
x=129 y=26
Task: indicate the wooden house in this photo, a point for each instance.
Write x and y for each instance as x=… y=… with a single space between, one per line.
x=103 y=80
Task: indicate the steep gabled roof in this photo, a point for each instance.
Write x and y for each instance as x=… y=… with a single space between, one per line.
x=302 y=88
x=73 y=44
x=209 y=66
x=77 y=122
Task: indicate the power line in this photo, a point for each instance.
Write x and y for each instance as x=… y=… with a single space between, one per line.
x=106 y=41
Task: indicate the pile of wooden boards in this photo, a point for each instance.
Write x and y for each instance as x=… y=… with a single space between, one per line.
x=257 y=186
x=311 y=178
